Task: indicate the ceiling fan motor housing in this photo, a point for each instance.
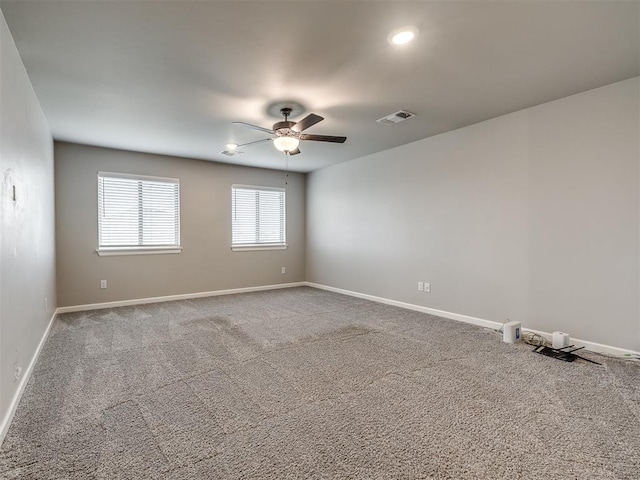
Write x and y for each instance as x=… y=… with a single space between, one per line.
x=284 y=128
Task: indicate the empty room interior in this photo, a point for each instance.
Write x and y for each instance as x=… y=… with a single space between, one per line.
x=363 y=239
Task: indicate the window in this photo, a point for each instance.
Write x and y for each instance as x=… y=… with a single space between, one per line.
x=137 y=213
x=257 y=217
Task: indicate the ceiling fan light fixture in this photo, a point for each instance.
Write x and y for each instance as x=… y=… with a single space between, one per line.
x=402 y=35
x=286 y=144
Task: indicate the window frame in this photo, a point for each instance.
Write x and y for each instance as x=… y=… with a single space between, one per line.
x=137 y=249
x=260 y=246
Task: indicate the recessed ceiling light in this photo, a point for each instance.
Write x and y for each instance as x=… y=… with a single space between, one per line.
x=402 y=35
x=231 y=146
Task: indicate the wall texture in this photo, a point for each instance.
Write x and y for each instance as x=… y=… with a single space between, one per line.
x=533 y=216
x=27 y=249
x=206 y=262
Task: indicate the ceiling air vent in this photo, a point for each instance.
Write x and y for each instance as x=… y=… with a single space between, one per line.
x=230 y=153
x=399 y=116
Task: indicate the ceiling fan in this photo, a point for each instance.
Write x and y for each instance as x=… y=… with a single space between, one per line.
x=288 y=134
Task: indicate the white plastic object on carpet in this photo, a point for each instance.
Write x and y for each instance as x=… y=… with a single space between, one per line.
x=560 y=340
x=511 y=332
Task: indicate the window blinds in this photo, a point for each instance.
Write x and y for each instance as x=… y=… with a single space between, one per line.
x=138 y=211
x=258 y=216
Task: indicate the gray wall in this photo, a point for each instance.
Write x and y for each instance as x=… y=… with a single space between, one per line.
x=533 y=216
x=206 y=262
x=27 y=250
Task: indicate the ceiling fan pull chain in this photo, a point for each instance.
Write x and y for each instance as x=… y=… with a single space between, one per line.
x=286 y=170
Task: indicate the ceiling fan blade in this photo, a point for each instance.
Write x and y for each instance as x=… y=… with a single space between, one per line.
x=255 y=141
x=323 y=138
x=255 y=127
x=294 y=152
x=306 y=122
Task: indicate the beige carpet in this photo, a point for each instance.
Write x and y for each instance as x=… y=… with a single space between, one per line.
x=303 y=383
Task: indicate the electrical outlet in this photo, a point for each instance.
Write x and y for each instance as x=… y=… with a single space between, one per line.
x=46 y=303
x=17 y=372
x=427 y=287
x=420 y=287
x=284 y=270
x=103 y=284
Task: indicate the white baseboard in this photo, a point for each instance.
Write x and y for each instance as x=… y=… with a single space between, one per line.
x=591 y=346
x=410 y=306
x=6 y=421
x=168 y=298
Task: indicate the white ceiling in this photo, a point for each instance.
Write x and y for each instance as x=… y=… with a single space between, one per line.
x=169 y=77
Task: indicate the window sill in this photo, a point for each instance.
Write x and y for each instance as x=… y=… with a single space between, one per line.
x=111 y=252
x=248 y=248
